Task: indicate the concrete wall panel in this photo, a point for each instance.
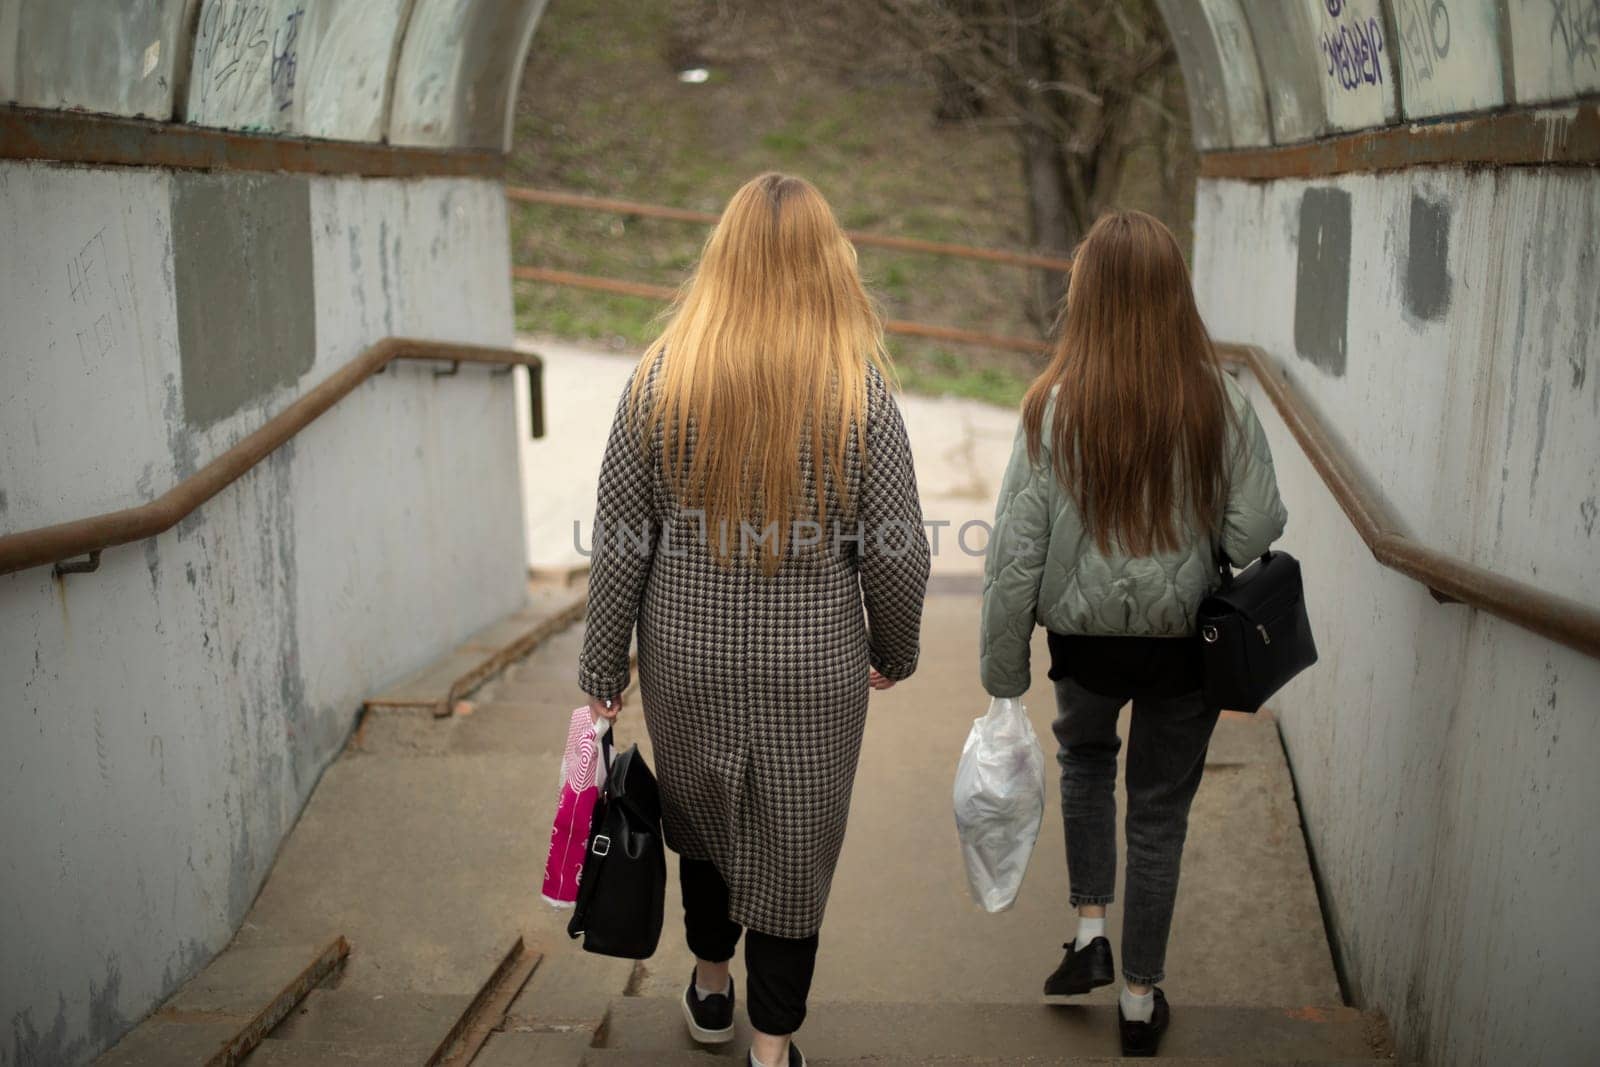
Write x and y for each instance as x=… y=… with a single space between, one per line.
x=458 y=72
x=1358 y=82
x=165 y=717
x=1448 y=52
x=320 y=68
x=126 y=60
x=1555 y=47
x=1441 y=755
x=243 y=329
x=1291 y=67
x=1227 y=103
x=348 y=81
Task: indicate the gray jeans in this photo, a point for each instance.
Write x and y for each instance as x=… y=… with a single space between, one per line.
x=1166 y=756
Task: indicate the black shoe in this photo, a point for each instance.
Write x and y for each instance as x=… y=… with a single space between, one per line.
x=1142 y=1039
x=1081 y=970
x=711 y=1019
x=796 y=1057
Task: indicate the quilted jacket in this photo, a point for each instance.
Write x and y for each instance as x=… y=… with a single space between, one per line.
x=1043 y=567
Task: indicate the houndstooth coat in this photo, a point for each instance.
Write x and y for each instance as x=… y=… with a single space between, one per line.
x=754 y=686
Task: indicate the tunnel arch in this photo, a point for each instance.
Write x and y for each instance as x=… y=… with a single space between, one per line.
x=444 y=73
x=1288 y=97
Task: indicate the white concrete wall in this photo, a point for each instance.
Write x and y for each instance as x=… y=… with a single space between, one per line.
x=163 y=720
x=1444 y=759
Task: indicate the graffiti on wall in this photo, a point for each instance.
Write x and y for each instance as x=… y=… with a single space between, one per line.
x=1424 y=28
x=1351 y=47
x=1575 y=32
x=244 y=52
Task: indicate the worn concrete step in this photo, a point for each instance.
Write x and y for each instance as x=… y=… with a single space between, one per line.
x=436 y=687
x=343 y=1016
x=213 y=1007
x=553 y=1049
x=275 y=1053
x=854 y=1031
x=618 y=1058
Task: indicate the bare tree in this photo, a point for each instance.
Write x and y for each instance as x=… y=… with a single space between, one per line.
x=1083 y=82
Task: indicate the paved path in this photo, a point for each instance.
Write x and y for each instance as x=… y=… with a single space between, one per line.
x=961 y=448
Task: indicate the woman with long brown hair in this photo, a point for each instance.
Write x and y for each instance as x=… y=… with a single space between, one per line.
x=1137 y=465
x=757 y=492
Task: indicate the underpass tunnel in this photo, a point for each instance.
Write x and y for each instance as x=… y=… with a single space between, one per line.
x=208 y=207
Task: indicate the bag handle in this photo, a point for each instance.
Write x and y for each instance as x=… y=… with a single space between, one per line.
x=1225 y=565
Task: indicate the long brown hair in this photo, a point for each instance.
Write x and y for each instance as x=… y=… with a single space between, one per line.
x=765 y=355
x=1139 y=432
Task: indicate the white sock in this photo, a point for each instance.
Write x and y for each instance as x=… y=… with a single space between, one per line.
x=702 y=992
x=1137 y=1008
x=1088 y=930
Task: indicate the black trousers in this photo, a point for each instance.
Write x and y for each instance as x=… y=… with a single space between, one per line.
x=778 y=969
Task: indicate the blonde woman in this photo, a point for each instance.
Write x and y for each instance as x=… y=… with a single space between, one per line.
x=756 y=494
x=1137 y=462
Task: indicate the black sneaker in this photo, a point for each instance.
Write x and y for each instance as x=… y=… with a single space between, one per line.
x=796 y=1057
x=711 y=1019
x=1081 y=969
x=1142 y=1039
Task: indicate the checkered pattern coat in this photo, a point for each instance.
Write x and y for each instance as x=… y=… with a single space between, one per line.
x=754 y=686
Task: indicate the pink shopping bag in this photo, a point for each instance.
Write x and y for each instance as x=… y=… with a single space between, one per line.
x=583 y=773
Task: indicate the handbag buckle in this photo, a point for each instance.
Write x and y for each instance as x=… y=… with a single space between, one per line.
x=602 y=845
x=1209 y=634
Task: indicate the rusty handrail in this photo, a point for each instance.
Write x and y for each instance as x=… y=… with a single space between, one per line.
x=70 y=540
x=902 y=327
x=1450 y=579
x=555 y=198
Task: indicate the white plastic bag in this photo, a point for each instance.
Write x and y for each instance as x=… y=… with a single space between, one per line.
x=999 y=798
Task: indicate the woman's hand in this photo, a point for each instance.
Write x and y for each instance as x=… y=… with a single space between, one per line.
x=603 y=709
x=878 y=681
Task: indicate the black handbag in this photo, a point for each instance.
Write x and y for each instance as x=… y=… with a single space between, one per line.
x=623 y=888
x=1253 y=632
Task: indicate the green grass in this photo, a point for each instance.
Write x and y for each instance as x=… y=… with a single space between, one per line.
x=601 y=111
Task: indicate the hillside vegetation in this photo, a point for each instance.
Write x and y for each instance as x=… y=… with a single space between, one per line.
x=603 y=111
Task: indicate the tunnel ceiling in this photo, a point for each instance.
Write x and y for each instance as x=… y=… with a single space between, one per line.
x=444 y=73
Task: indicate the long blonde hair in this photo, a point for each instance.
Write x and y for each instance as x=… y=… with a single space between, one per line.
x=765 y=357
x=1141 y=419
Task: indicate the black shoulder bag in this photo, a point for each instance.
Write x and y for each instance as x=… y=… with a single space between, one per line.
x=622 y=890
x=1254 y=634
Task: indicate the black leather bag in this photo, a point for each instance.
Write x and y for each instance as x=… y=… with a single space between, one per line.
x=1253 y=632
x=623 y=888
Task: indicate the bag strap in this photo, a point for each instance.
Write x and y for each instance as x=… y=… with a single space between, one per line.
x=1225 y=565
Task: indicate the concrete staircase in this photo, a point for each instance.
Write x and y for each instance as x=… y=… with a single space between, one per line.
x=424 y=845
x=650 y=1030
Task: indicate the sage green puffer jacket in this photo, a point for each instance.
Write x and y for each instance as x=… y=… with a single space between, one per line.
x=1043 y=567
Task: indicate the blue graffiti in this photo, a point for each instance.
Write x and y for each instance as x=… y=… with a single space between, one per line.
x=286 y=59
x=1334 y=7
x=1352 y=52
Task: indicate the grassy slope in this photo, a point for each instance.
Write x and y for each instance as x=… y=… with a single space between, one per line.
x=603 y=112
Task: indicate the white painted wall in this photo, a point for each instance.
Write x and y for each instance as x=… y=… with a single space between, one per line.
x=1444 y=759
x=162 y=720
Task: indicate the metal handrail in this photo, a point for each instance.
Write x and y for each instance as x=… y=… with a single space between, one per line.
x=1451 y=580
x=88 y=537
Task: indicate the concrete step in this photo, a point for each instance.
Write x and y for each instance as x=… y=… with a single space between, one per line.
x=846 y=1032
x=435 y=688
x=617 y=1058
x=213 y=1007
x=275 y=1053
x=343 y=1016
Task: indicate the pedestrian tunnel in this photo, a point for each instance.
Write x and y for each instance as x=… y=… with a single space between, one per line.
x=272 y=235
